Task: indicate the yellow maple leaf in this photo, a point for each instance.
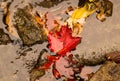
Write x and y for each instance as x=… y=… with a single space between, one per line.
x=83 y=12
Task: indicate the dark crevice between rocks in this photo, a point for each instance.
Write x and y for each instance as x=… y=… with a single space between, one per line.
x=4 y=38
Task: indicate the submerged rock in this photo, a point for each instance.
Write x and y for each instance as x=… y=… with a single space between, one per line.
x=27 y=27
x=4 y=38
x=49 y=3
x=35 y=74
x=94 y=59
x=110 y=71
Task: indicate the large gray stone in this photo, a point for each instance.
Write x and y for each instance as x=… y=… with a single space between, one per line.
x=99 y=38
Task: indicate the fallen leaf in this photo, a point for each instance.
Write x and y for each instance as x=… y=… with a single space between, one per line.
x=69 y=42
x=70 y=80
x=62 y=65
x=56 y=72
x=62 y=42
x=83 y=12
x=50 y=61
x=55 y=43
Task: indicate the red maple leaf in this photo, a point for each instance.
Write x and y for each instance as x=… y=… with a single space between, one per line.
x=56 y=72
x=51 y=60
x=62 y=42
x=55 y=43
x=70 y=80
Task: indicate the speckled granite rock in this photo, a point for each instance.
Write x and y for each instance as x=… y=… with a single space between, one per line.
x=28 y=29
x=110 y=71
x=99 y=38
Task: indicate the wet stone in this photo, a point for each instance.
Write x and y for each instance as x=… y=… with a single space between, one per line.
x=110 y=71
x=36 y=74
x=4 y=38
x=28 y=29
x=49 y=3
x=94 y=59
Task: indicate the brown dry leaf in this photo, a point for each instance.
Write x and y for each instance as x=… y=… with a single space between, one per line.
x=77 y=29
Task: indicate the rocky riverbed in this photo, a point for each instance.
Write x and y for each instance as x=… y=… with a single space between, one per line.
x=29 y=37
